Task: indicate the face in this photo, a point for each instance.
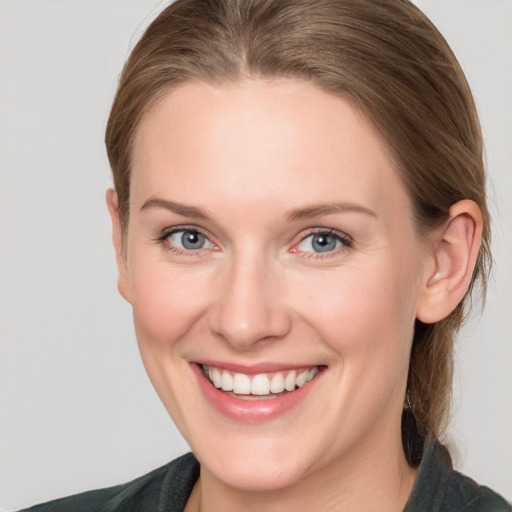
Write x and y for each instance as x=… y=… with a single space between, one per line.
x=271 y=250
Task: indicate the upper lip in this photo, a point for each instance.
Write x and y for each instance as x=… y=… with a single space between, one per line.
x=255 y=368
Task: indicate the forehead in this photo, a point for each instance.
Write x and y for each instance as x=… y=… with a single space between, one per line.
x=262 y=142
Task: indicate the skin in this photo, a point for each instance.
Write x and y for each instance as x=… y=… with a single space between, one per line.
x=248 y=155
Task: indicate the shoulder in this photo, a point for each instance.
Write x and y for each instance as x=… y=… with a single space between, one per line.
x=167 y=486
x=464 y=494
x=439 y=488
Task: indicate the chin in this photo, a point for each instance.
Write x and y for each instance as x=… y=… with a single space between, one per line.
x=262 y=464
x=256 y=475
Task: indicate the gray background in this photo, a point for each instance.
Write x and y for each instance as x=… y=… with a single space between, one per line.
x=77 y=410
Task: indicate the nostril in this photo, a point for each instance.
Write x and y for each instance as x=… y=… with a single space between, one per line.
x=248 y=308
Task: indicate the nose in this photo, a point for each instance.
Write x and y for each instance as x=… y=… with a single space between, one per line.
x=249 y=308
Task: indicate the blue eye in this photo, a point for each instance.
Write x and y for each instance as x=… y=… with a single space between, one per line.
x=189 y=240
x=321 y=243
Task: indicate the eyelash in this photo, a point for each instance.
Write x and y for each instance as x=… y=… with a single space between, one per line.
x=345 y=240
x=163 y=239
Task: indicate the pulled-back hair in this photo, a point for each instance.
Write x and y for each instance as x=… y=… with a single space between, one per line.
x=389 y=61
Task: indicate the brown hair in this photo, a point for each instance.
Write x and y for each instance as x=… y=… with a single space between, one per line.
x=385 y=57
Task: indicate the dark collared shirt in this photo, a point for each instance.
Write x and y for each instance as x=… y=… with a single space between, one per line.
x=437 y=489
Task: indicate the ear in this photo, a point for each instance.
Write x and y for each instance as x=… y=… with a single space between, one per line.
x=117 y=239
x=454 y=253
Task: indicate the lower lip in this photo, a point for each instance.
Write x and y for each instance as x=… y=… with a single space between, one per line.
x=251 y=411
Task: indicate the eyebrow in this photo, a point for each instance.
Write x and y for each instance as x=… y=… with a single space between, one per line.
x=318 y=210
x=308 y=212
x=179 y=208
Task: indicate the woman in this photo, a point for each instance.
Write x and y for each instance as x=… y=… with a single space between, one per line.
x=299 y=219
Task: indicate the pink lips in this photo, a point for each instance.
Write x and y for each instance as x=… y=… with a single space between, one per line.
x=254 y=410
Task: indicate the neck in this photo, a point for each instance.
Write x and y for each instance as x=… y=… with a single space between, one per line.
x=376 y=478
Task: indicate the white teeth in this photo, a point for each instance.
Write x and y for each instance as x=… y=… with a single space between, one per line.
x=260 y=384
x=277 y=383
x=289 y=382
x=241 y=384
x=301 y=379
x=306 y=376
x=312 y=373
x=227 y=381
x=217 y=378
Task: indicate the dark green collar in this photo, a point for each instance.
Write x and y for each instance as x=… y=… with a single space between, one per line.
x=439 y=488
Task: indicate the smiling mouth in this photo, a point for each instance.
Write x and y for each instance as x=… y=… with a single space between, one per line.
x=259 y=386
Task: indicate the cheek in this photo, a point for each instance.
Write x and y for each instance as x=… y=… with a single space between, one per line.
x=166 y=302
x=363 y=310
x=166 y=306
